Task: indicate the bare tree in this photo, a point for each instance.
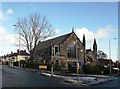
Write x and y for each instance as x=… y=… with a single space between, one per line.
x=33 y=29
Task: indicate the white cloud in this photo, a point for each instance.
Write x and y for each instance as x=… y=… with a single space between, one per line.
x=88 y=34
x=1 y=15
x=2 y=30
x=101 y=33
x=10 y=11
x=57 y=31
x=6 y=38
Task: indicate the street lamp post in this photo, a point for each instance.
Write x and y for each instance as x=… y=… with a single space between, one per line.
x=52 y=60
x=19 y=47
x=110 y=55
x=77 y=59
x=117 y=60
x=81 y=62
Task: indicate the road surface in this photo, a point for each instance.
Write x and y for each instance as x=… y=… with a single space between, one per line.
x=112 y=83
x=12 y=77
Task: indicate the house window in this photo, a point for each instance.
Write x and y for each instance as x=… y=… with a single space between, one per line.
x=68 y=53
x=57 y=62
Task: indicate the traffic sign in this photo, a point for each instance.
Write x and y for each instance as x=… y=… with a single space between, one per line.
x=81 y=64
x=75 y=65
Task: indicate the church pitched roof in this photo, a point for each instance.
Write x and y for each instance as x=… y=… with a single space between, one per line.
x=55 y=41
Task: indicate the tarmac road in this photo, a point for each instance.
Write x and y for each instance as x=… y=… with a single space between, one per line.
x=12 y=77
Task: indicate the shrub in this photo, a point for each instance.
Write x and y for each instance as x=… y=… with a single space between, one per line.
x=15 y=63
x=98 y=69
x=71 y=69
x=57 y=67
x=33 y=65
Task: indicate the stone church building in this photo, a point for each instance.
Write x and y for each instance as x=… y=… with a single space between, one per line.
x=65 y=50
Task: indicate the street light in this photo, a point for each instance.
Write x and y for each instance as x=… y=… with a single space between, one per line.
x=117 y=59
x=81 y=64
x=76 y=58
x=19 y=46
x=52 y=53
x=110 y=54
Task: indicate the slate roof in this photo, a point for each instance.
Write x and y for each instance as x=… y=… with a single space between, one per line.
x=105 y=61
x=88 y=50
x=55 y=41
x=22 y=52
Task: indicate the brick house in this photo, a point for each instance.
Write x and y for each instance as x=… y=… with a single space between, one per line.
x=15 y=57
x=68 y=48
x=106 y=62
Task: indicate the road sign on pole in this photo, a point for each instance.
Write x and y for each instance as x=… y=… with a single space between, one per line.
x=52 y=60
x=81 y=64
x=77 y=65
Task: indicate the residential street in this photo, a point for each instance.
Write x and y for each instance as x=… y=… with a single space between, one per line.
x=113 y=83
x=12 y=77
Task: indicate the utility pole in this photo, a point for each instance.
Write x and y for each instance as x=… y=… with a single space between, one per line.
x=19 y=47
x=77 y=59
x=52 y=49
x=110 y=55
x=82 y=52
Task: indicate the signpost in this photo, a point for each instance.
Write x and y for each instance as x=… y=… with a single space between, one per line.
x=81 y=65
x=52 y=52
x=77 y=65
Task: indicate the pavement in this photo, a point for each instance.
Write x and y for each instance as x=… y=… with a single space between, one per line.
x=86 y=80
x=83 y=81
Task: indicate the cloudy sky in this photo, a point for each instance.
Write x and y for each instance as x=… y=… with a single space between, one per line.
x=94 y=19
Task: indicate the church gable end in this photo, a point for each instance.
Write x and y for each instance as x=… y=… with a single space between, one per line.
x=69 y=49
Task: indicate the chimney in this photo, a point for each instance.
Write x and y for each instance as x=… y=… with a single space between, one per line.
x=18 y=51
x=11 y=52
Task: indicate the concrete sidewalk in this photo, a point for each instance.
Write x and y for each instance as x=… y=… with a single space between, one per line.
x=83 y=81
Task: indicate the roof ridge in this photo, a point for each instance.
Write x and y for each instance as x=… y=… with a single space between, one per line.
x=56 y=37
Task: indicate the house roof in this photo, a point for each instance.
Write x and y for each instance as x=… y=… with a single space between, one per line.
x=22 y=52
x=105 y=61
x=55 y=41
x=88 y=50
